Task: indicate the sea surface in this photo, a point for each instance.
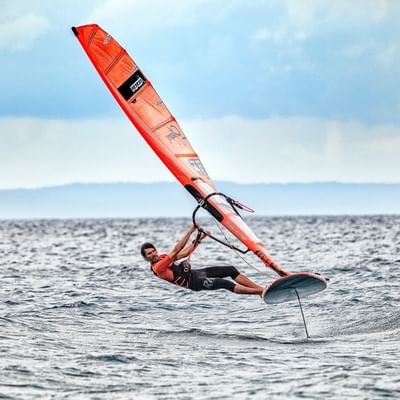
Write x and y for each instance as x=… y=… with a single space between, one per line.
x=82 y=316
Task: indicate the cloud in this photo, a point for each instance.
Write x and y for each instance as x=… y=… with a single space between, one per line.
x=333 y=144
x=195 y=51
x=388 y=145
x=281 y=35
x=389 y=55
x=141 y=18
x=39 y=152
x=296 y=150
x=20 y=33
x=311 y=15
x=302 y=20
x=320 y=53
x=360 y=49
x=383 y=54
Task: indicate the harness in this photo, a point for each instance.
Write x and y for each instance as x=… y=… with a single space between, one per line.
x=182 y=273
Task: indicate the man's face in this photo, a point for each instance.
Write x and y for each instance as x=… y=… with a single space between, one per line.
x=151 y=255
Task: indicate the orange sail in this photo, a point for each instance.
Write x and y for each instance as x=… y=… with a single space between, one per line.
x=148 y=113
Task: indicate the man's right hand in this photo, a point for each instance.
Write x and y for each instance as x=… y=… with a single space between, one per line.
x=204 y=234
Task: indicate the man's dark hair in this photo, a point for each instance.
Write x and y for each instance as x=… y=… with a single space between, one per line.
x=145 y=246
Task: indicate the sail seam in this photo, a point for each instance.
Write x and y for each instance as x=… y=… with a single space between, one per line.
x=167 y=121
x=114 y=62
x=92 y=35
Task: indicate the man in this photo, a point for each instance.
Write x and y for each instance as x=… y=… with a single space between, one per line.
x=211 y=278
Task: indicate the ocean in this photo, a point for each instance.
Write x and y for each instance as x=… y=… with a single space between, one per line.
x=83 y=317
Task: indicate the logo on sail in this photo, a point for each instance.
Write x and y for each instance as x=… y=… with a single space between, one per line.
x=137 y=84
x=132 y=85
x=107 y=39
x=196 y=164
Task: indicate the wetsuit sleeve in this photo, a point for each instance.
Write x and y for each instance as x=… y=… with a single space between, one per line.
x=162 y=265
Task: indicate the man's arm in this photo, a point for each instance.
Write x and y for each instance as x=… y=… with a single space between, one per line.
x=188 y=249
x=181 y=244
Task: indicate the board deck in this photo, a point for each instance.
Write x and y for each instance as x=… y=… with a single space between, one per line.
x=284 y=289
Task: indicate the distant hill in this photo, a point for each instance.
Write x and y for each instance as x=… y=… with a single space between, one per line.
x=121 y=200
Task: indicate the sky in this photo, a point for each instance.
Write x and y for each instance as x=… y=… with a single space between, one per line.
x=265 y=90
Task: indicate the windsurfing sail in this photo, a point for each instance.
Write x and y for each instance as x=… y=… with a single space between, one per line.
x=135 y=94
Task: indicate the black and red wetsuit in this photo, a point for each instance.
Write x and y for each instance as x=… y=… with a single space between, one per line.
x=210 y=278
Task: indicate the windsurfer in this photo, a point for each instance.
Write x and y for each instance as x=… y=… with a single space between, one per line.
x=209 y=278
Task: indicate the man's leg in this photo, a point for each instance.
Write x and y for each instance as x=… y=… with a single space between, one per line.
x=240 y=289
x=225 y=271
x=221 y=283
x=245 y=281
